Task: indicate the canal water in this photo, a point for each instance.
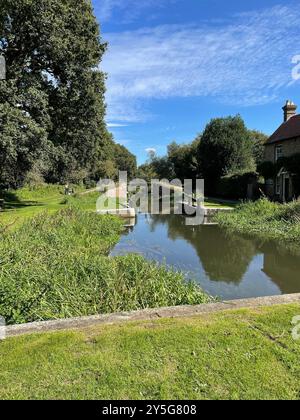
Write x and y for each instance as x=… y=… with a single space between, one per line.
x=226 y=265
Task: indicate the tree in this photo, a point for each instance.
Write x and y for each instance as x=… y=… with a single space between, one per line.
x=147 y=172
x=112 y=158
x=225 y=149
x=20 y=140
x=23 y=131
x=184 y=159
x=125 y=161
x=258 y=143
x=52 y=103
x=158 y=167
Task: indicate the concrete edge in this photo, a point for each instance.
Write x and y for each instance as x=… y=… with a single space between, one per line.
x=148 y=314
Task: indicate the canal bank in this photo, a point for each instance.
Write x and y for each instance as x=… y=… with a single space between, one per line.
x=149 y=315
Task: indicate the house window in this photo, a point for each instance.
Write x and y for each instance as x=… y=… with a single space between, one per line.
x=278 y=152
x=278 y=185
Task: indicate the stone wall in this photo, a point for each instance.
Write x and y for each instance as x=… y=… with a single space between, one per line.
x=290 y=147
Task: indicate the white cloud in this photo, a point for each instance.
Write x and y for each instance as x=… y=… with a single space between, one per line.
x=129 y=10
x=150 y=150
x=246 y=62
x=105 y=8
x=114 y=125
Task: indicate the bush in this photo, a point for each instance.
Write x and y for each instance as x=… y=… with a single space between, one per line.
x=236 y=186
x=58 y=266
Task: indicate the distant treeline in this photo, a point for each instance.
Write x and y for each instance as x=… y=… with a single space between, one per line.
x=226 y=155
x=52 y=105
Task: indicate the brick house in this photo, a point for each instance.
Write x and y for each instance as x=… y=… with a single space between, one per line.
x=285 y=142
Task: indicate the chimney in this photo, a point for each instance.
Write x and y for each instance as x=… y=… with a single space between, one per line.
x=289 y=110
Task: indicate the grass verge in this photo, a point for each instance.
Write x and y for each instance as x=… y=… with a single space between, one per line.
x=247 y=354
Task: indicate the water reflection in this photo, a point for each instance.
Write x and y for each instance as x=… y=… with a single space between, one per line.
x=224 y=257
x=230 y=266
x=283 y=268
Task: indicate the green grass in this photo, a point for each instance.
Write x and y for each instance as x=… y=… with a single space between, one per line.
x=56 y=266
x=219 y=203
x=26 y=203
x=247 y=354
x=266 y=220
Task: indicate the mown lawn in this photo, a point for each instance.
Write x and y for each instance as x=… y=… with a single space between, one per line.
x=247 y=354
x=219 y=203
x=26 y=203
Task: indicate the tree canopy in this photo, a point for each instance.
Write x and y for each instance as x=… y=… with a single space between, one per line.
x=225 y=148
x=52 y=105
x=226 y=153
x=258 y=143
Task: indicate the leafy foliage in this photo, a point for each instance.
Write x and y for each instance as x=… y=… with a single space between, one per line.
x=52 y=104
x=258 y=144
x=225 y=149
x=236 y=186
x=225 y=155
x=267 y=170
x=184 y=159
x=291 y=164
x=180 y=162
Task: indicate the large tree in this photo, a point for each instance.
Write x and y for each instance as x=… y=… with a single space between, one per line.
x=258 y=142
x=225 y=148
x=184 y=159
x=52 y=103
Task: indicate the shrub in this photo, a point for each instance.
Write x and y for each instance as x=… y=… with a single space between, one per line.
x=236 y=186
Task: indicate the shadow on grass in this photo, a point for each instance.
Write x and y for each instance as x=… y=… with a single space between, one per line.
x=9 y=196
x=12 y=201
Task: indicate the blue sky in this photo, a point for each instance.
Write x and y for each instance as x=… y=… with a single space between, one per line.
x=174 y=64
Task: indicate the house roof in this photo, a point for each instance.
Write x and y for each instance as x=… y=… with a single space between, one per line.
x=286 y=131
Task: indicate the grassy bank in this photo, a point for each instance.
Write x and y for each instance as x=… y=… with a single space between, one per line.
x=266 y=220
x=56 y=266
x=248 y=354
x=26 y=203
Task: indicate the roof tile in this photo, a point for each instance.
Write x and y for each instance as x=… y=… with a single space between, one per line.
x=287 y=130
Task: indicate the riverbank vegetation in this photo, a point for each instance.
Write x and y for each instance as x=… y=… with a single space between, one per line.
x=266 y=220
x=247 y=354
x=57 y=266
